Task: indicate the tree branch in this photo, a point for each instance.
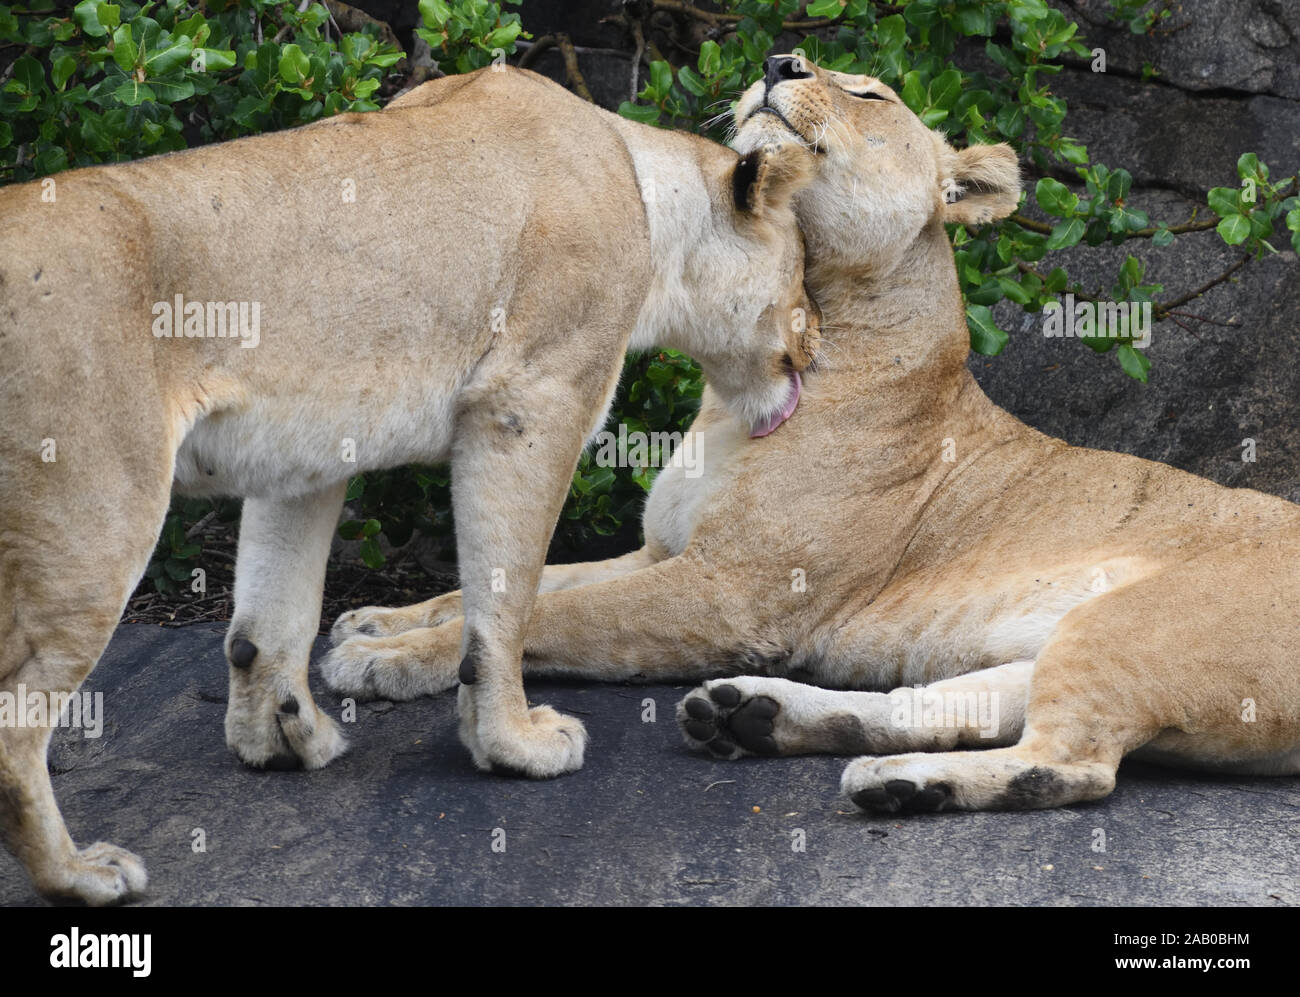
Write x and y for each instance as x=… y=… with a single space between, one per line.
x=571 y=71
x=1191 y=225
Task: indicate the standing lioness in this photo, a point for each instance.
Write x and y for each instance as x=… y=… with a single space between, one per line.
x=1063 y=607
x=456 y=277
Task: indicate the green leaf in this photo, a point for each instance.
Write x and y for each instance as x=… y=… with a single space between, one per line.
x=690 y=80
x=1248 y=165
x=217 y=59
x=945 y=89
x=170 y=91
x=710 y=61
x=661 y=78
x=985 y=337
x=503 y=37
x=132 y=93
x=913 y=91
x=824 y=8
x=1013 y=290
x=435 y=13
x=86 y=14
x=1163 y=237
x=1135 y=362
x=371 y=554
x=161 y=61
x=1225 y=201
x=294 y=64
x=1234 y=229
x=1066 y=234
x=1011 y=120
x=124 y=50
x=1056 y=199
x=109 y=14
x=644 y=113
x=62 y=70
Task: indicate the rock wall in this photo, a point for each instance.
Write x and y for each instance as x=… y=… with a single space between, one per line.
x=1228 y=82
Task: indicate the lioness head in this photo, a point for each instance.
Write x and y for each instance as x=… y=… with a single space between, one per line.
x=882 y=174
x=751 y=289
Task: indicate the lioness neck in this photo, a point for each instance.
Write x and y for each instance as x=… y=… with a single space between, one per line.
x=679 y=178
x=895 y=350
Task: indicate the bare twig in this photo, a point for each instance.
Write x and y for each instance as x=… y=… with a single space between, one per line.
x=1191 y=225
x=535 y=49
x=571 y=71
x=201 y=525
x=639 y=35
x=1163 y=310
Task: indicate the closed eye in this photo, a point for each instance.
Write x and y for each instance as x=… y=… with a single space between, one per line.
x=867 y=95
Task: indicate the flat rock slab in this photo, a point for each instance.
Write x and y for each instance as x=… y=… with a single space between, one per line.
x=404 y=818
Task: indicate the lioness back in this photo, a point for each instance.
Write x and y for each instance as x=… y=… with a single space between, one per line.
x=504 y=204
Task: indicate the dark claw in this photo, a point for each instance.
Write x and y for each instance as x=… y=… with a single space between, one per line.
x=290 y=706
x=242 y=652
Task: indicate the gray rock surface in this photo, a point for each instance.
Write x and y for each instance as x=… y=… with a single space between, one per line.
x=404 y=818
x=1217 y=95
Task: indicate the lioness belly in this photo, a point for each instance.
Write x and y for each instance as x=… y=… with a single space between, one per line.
x=283 y=447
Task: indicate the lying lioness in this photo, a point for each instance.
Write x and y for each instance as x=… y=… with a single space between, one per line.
x=455 y=277
x=1063 y=606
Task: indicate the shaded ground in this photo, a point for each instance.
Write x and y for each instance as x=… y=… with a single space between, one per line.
x=405 y=819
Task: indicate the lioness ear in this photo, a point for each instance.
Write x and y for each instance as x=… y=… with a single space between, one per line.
x=764 y=180
x=979 y=184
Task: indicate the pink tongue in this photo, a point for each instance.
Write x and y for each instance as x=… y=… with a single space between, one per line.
x=777 y=418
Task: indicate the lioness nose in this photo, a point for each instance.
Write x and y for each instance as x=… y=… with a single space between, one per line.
x=783 y=67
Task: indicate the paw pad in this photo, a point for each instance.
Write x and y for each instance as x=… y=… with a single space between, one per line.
x=720 y=719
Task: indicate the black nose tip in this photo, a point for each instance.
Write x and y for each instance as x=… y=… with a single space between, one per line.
x=783 y=67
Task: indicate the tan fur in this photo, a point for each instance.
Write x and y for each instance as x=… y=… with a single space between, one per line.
x=472 y=302
x=1107 y=604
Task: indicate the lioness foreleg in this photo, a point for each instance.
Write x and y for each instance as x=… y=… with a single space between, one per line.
x=380 y=621
x=271 y=719
x=754 y=715
x=665 y=622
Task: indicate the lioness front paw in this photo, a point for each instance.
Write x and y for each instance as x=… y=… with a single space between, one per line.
x=720 y=718
x=100 y=874
x=416 y=663
x=546 y=744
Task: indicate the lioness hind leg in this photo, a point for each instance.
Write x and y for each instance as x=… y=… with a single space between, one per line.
x=378 y=621
x=271 y=719
x=1001 y=779
x=754 y=715
x=67 y=567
